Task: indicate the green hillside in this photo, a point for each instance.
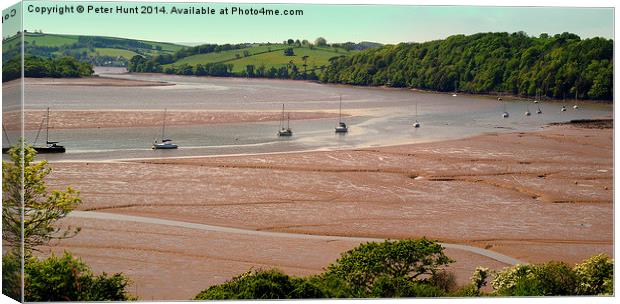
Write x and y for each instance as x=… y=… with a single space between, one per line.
x=265 y=55
x=50 y=40
x=558 y=66
x=96 y=50
x=228 y=55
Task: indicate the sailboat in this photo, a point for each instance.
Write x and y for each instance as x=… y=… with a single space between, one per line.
x=285 y=131
x=342 y=127
x=499 y=97
x=50 y=146
x=505 y=114
x=455 y=89
x=416 y=124
x=575 y=106
x=539 y=111
x=8 y=140
x=166 y=143
x=527 y=110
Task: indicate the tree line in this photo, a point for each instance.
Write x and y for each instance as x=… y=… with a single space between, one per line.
x=417 y=268
x=37 y=67
x=559 y=66
x=141 y=64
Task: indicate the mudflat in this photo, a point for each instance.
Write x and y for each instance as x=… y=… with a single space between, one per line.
x=81 y=119
x=534 y=196
x=95 y=81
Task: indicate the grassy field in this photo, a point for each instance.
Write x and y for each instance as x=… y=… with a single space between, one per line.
x=113 y=52
x=227 y=55
x=50 y=39
x=117 y=47
x=267 y=55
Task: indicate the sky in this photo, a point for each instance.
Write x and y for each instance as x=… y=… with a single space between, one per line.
x=337 y=23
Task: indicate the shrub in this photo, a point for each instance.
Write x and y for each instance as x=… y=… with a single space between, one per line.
x=549 y=279
x=406 y=259
x=263 y=284
x=69 y=279
x=398 y=287
x=595 y=276
x=11 y=276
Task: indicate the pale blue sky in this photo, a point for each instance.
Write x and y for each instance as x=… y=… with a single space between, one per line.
x=337 y=23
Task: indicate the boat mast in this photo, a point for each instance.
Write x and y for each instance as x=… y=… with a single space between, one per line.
x=47 y=128
x=163 y=128
x=288 y=121
x=282 y=118
x=340 y=112
x=8 y=140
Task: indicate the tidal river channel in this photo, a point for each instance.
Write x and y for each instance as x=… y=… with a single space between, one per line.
x=376 y=116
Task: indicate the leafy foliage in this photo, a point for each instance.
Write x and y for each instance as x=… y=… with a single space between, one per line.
x=595 y=276
x=11 y=275
x=592 y=277
x=37 y=67
x=410 y=260
x=267 y=284
x=41 y=209
x=387 y=269
x=553 y=66
x=69 y=279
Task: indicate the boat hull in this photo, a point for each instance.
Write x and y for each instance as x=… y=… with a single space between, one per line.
x=165 y=147
x=342 y=130
x=285 y=133
x=42 y=150
x=50 y=149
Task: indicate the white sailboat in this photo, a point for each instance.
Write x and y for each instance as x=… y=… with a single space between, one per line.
x=505 y=114
x=165 y=143
x=285 y=131
x=575 y=107
x=342 y=127
x=416 y=124
x=455 y=89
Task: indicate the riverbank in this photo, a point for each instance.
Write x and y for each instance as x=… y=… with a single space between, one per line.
x=490 y=95
x=534 y=196
x=94 y=81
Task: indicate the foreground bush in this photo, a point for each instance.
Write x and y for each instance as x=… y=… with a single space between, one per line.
x=407 y=268
x=396 y=262
x=11 y=276
x=67 y=278
x=594 y=276
x=263 y=284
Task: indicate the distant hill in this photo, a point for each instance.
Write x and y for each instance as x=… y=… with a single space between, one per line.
x=558 y=66
x=289 y=61
x=97 y=50
x=267 y=55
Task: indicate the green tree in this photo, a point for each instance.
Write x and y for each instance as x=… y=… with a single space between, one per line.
x=410 y=260
x=548 y=279
x=69 y=279
x=595 y=276
x=41 y=209
x=320 y=41
x=262 y=284
x=289 y=52
x=249 y=70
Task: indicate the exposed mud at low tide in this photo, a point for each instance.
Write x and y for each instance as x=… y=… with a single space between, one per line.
x=534 y=196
